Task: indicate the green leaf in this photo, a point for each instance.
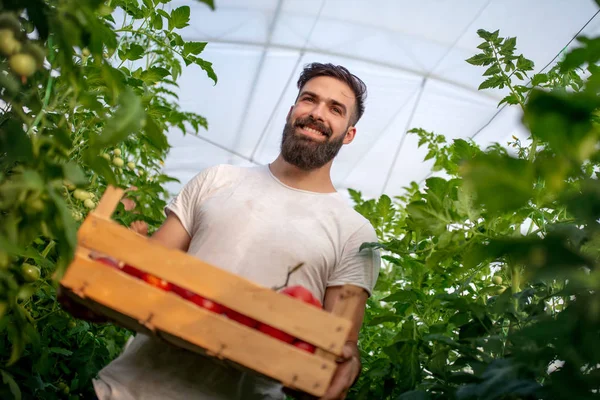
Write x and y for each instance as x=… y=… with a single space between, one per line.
x=14 y=142
x=501 y=183
x=125 y=120
x=155 y=135
x=157 y=21
x=209 y=3
x=59 y=350
x=539 y=79
x=132 y=53
x=74 y=174
x=9 y=380
x=564 y=120
x=493 y=70
x=414 y=395
x=493 y=82
x=524 y=64
x=180 y=18
x=206 y=66
x=480 y=59
x=402 y=296
x=153 y=75
x=194 y=48
x=510 y=99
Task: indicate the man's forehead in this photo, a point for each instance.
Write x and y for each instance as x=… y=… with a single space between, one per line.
x=331 y=89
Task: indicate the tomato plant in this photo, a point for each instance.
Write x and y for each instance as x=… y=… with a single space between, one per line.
x=490 y=285
x=87 y=93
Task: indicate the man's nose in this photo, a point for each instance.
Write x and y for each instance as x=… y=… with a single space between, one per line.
x=318 y=111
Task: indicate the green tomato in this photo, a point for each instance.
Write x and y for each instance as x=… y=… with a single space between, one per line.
x=117 y=152
x=23 y=64
x=118 y=161
x=131 y=165
x=80 y=194
x=72 y=324
x=104 y=155
x=31 y=273
x=89 y=203
x=497 y=280
x=8 y=44
x=85 y=52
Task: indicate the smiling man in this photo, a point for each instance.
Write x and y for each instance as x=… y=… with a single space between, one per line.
x=258 y=222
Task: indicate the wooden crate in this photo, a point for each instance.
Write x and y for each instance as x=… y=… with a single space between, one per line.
x=141 y=307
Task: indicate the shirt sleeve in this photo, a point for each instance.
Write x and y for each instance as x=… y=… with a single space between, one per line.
x=358 y=267
x=186 y=203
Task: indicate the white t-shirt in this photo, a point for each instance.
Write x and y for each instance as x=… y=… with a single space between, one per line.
x=244 y=220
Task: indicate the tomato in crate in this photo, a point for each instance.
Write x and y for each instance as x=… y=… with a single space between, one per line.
x=157 y=282
x=305 y=346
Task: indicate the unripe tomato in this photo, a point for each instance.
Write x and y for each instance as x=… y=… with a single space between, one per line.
x=22 y=64
x=117 y=152
x=118 y=161
x=31 y=273
x=106 y=156
x=8 y=44
x=85 y=52
x=89 y=203
x=497 y=280
x=131 y=165
x=80 y=194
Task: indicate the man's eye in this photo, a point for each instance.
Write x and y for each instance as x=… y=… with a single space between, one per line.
x=337 y=110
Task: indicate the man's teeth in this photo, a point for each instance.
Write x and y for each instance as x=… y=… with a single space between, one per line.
x=313 y=130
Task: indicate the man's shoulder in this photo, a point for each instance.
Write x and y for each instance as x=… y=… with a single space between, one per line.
x=225 y=172
x=351 y=218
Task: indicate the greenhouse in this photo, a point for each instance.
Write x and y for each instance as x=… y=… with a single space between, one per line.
x=286 y=199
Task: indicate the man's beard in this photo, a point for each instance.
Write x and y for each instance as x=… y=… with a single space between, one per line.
x=304 y=152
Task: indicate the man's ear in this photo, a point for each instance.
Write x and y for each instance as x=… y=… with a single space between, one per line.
x=350 y=133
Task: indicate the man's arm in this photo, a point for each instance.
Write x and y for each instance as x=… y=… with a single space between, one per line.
x=349 y=368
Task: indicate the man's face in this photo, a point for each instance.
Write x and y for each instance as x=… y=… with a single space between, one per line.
x=318 y=124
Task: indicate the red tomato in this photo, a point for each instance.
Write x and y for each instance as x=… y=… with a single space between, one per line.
x=302 y=293
x=242 y=319
x=186 y=294
x=276 y=333
x=108 y=261
x=133 y=271
x=157 y=282
x=207 y=304
x=305 y=346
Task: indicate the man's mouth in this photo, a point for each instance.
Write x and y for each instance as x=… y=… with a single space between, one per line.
x=313 y=130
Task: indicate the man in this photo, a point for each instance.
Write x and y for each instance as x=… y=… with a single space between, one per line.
x=257 y=222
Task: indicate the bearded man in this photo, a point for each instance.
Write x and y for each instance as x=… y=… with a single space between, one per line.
x=257 y=222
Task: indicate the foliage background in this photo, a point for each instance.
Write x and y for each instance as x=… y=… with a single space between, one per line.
x=94 y=112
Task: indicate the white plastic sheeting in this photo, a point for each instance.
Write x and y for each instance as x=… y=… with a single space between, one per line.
x=411 y=55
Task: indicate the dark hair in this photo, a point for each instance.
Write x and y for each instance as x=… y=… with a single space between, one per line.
x=337 y=71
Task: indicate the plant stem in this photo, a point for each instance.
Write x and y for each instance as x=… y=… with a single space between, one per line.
x=507 y=78
x=40 y=114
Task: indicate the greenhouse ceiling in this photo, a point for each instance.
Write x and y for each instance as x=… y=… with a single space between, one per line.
x=411 y=55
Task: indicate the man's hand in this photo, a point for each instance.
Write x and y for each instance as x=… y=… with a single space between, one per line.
x=345 y=374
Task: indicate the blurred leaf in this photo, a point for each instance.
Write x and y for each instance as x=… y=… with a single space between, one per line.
x=125 y=120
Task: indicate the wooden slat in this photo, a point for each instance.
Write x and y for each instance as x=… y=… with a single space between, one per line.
x=303 y=321
x=109 y=201
x=345 y=306
x=164 y=311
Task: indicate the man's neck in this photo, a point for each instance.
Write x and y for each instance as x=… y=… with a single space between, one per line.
x=317 y=180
